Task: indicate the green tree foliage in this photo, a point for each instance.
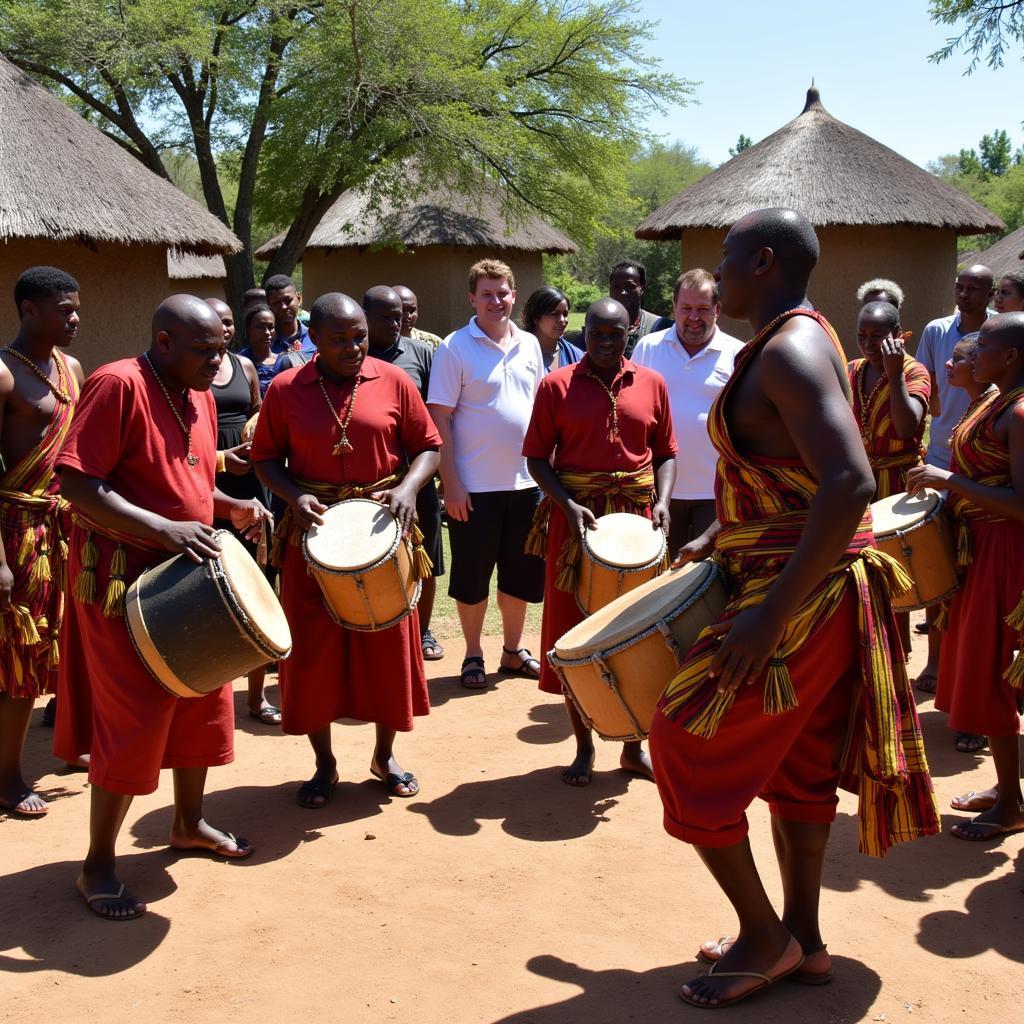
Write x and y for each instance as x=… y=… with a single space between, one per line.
x=652 y=176
x=742 y=143
x=987 y=30
x=285 y=104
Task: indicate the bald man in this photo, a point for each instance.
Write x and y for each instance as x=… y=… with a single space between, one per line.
x=138 y=468
x=981 y=669
x=410 y=316
x=387 y=450
x=589 y=462
x=806 y=650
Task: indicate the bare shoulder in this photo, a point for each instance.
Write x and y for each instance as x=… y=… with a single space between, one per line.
x=6 y=379
x=801 y=350
x=76 y=368
x=248 y=366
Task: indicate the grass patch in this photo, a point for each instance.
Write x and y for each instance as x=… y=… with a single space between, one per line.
x=445 y=621
x=576 y=321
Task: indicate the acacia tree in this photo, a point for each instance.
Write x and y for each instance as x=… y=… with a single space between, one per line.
x=987 y=29
x=288 y=104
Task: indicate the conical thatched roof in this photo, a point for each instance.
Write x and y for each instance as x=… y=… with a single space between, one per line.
x=61 y=178
x=184 y=266
x=441 y=217
x=831 y=173
x=1006 y=255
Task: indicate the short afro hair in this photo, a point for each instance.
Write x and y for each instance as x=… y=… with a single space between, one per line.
x=885 y=311
x=884 y=285
x=625 y=265
x=278 y=283
x=42 y=282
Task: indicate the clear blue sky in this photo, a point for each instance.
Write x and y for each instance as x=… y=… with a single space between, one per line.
x=754 y=60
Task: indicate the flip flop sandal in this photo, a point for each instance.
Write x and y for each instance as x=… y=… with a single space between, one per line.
x=969 y=742
x=965 y=802
x=393 y=781
x=528 y=667
x=710 y=958
x=803 y=976
x=429 y=642
x=920 y=684
x=991 y=830
x=474 y=675
x=241 y=851
x=767 y=980
x=921 y=628
x=313 y=788
x=109 y=897
x=24 y=812
x=268 y=715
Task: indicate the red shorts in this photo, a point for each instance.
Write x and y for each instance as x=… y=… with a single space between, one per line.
x=789 y=760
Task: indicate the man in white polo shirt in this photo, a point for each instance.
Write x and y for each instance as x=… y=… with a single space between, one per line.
x=696 y=359
x=482 y=386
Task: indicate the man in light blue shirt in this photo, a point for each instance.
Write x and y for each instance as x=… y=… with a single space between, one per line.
x=973 y=290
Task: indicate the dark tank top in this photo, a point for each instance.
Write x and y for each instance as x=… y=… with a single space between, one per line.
x=233 y=401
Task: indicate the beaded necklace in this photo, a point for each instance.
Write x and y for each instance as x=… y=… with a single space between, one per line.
x=60 y=391
x=193 y=460
x=343 y=445
x=613 y=398
x=866 y=400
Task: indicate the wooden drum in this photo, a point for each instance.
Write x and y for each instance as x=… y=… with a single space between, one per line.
x=916 y=532
x=363 y=564
x=198 y=626
x=622 y=553
x=616 y=663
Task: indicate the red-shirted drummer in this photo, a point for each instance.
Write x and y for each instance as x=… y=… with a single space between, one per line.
x=344 y=425
x=138 y=468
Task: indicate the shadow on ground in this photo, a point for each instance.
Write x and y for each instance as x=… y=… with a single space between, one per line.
x=621 y=995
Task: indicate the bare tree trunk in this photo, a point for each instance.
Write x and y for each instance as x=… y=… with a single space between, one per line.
x=311 y=212
x=238 y=282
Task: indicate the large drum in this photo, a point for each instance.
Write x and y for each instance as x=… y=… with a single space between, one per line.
x=622 y=553
x=198 y=626
x=917 y=533
x=363 y=564
x=616 y=663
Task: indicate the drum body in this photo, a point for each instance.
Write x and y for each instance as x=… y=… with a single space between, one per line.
x=363 y=565
x=624 y=552
x=916 y=532
x=198 y=626
x=616 y=663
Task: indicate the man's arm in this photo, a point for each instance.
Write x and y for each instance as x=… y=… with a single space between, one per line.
x=307 y=508
x=457 y=502
x=101 y=503
x=401 y=499
x=800 y=381
x=580 y=517
x=665 y=480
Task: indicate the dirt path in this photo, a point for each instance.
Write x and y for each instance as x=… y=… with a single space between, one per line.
x=498 y=895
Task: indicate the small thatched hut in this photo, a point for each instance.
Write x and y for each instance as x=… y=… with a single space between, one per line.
x=1006 y=255
x=73 y=198
x=876 y=213
x=428 y=245
x=196 y=275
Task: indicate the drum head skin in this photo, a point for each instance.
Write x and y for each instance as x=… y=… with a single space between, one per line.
x=253 y=593
x=632 y=613
x=901 y=511
x=626 y=540
x=356 y=534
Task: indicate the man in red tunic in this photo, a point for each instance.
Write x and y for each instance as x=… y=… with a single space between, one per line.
x=600 y=438
x=138 y=468
x=39 y=386
x=981 y=677
x=344 y=426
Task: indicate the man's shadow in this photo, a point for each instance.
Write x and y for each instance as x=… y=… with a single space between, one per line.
x=549 y=724
x=537 y=807
x=43 y=914
x=621 y=995
x=991 y=919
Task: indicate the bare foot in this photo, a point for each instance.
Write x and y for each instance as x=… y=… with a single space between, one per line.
x=746 y=968
x=976 y=800
x=580 y=771
x=18 y=799
x=636 y=760
x=107 y=897
x=399 y=783
x=995 y=823
x=206 y=837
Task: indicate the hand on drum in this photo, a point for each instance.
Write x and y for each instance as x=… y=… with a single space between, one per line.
x=749 y=640
x=236 y=460
x=580 y=517
x=893 y=352
x=921 y=477
x=402 y=505
x=248 y=518
x=698 y=548
x=308 y=511
x=660 y=517
x=193 y=539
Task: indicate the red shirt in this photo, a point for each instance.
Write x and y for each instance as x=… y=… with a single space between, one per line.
x=390 y=425
x=572 y=420
x=125 y=433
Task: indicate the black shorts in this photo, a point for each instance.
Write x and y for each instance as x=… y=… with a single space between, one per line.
x=689 y=519
x=495 y=535
x=428 y=515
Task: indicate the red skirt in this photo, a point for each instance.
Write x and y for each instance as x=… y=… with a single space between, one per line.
x=978 y=645
x=335 y=672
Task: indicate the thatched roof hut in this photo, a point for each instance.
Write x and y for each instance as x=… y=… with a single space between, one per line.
x=427 y=244
x=877 y=214
x=197 y=275
x=71 y=197
x=1006 y=255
